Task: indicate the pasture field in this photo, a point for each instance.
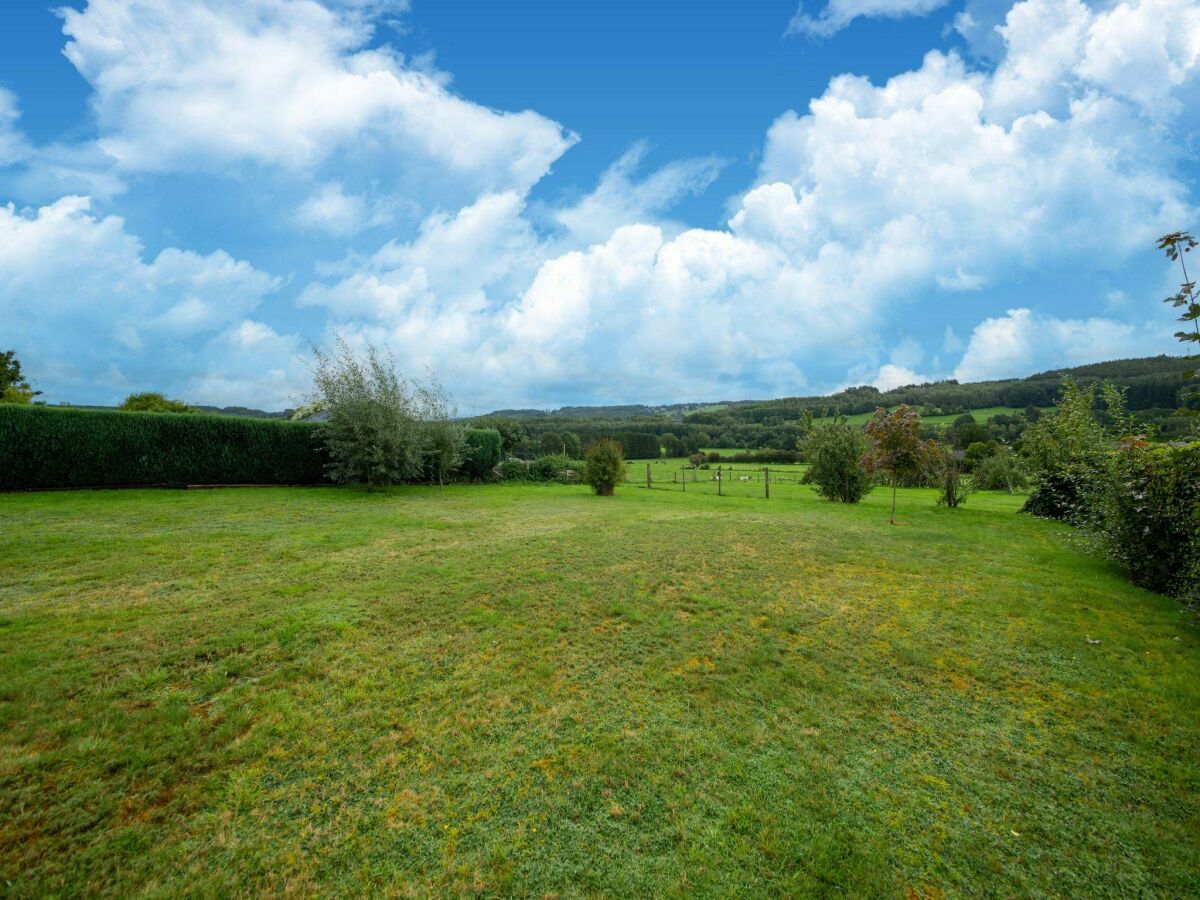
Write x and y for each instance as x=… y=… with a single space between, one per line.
x=523 y=689
x=981 y=416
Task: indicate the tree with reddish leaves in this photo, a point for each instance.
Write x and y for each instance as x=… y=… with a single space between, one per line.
x=895 y=446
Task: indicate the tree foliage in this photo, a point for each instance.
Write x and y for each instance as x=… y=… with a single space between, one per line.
x=14 y=388
x=833 y=453
x=373 y=430
x=604 y=466
x=894 y=446
x=443 y=441
x=150 y=401
x=1067 y=454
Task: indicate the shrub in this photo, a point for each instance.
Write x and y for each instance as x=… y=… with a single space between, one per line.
x=551 y=468
x=443 y=441
x=946 y=471
x=53 y=447
x=1151 y=521
x=833 y=453
x=482 y=453
x=512 y=470
x=551 y=444
x=1001 y=471
x=605 y=466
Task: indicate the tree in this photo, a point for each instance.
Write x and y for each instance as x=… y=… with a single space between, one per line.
x=443 y=440
x=551 y=444
x=999 y=471
x=150 y=401
x=572 y=445
x=1176 y=246
x=13 y=386
x=672 y=446
x=605 y=466
x=512 y=431
x=373 y=432
x=947 y=470
x=895 y=447
x=482 y=452
x=833 y=453
x=1068 y=451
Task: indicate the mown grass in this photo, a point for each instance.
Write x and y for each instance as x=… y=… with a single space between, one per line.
x=530 y=690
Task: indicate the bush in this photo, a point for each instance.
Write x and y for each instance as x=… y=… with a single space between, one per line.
x=1151 y=520
x=605 y=466
x=551 y=468
x=53 y=447
x=946 y=472
x=482 y=453
x=1001 y=471
x=833 y=453
x=551 y=444
x=513 y=470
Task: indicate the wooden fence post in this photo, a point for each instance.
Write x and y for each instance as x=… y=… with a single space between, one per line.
x=767 y=481
x=648 y=482
x=718 y=481
x=684 y=480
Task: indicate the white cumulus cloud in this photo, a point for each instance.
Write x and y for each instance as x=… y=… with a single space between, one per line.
x=837 y=14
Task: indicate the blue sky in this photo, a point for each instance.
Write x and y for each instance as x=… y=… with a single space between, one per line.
x=573 y=203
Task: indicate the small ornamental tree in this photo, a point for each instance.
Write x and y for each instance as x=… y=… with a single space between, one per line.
x=153 y=402
x=373 y=432
x=833 y=453
x=895 y=447
x=605 y=466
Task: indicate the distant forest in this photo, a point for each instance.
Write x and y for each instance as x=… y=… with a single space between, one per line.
x=1152 y=385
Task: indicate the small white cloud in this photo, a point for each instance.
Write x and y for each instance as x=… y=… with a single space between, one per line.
x=837 y=14
x=951 y=342
x=330 y=209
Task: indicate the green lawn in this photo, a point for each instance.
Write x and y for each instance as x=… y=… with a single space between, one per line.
x=530 y=690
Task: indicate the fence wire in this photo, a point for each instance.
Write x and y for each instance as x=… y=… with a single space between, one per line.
x=785 y=482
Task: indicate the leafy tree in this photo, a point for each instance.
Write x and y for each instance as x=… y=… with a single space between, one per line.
x=1176 y=246
x=605 y=466
x=482 y=452
x=833 y=453
x=512 y=431
x=443 y=440
x=1000 y=470
x=1032 y=414
x=551 y=444
x=373 y=434
x=697 y=460
x=895 y=447
x=572 y=446
x=1067 y=454
x=673 y=446
x=964 y=419
x=13 y=386
x=153 y=402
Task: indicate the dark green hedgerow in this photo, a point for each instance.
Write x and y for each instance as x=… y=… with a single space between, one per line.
x=45 y=447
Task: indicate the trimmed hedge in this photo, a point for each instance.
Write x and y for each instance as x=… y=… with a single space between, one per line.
x=50 y=447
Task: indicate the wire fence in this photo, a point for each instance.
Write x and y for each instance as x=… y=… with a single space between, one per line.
x=785 y=482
